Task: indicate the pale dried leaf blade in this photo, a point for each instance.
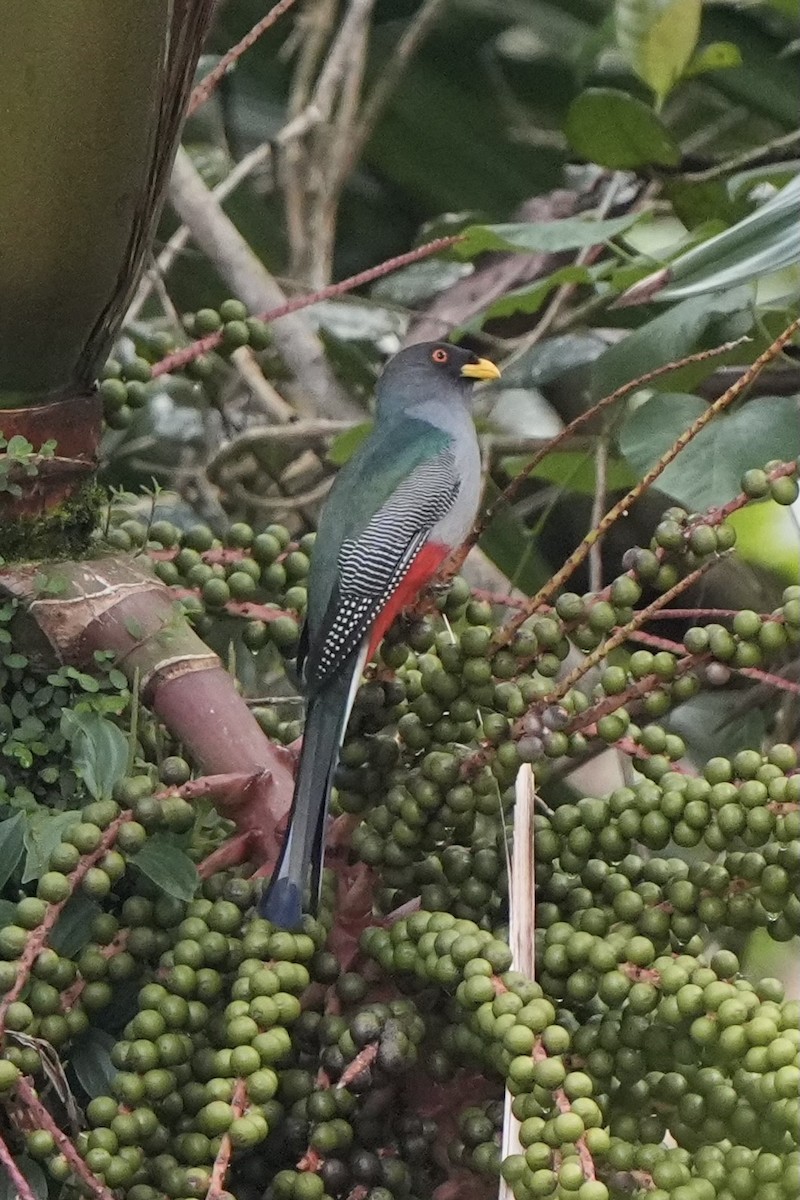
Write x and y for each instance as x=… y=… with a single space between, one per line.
x=522 y=927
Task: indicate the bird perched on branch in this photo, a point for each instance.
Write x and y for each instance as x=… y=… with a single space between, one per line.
x=405 y=499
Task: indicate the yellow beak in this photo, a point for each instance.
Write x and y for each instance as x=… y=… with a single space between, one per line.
x=482 y=369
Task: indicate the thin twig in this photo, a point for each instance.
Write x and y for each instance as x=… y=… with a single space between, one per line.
x=510 y=493
x=250 y=280
x=210 y=81
x=624 y=632
x=174 y=362
x=546 y=593
x=21 y=1186
x=372 y=109
x=251 y=162
x=216 y=1184
x=598 y=508
x=38 y=938
x=44 y=1120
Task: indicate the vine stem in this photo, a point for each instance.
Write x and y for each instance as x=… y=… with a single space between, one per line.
x=30 y=1098
x=625 y=631
x=216 y=1184
x=180 y=358
x=546 y=593
x=20 y=1183
x=38 y=937
x=211 y=81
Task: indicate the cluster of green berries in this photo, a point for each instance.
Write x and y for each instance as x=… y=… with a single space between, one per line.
x=34 y=754
x=124 y=384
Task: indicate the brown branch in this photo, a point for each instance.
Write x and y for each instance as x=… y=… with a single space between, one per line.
x=38 y=937
x=210 y=81
x=624 y=632
x=18 y=1180
x=244 y=272
x=219 y=1171
x=546 y=593
x=510 y=493
x=27 y=1093
x=178 y=360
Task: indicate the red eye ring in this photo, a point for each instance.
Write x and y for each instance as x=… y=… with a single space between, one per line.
x=440 y=356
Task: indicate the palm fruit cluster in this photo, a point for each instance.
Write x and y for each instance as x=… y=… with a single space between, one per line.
x=126 y=382
x=208 y=1053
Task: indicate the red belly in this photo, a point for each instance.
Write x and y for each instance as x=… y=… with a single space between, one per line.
x=423 y=568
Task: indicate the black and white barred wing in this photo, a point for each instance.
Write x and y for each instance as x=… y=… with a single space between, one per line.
x=372 y=565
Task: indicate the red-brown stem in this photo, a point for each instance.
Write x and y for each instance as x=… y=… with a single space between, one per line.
x=27 y=1093
x=624 y=632
x=210 y=81
x=21 y=1185
x=71 y=995
x=776 y=681
x=174 y=362
x=38 y=937
x=579 y=555
x=365 y=1058
x=219 y=1171
x=509 y=494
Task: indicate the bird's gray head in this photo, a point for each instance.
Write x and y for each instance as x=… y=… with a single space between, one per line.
x=428 y=372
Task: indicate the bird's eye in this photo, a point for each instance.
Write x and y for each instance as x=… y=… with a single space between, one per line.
x=439 y=355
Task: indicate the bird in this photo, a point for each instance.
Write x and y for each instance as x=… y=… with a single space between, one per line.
x=399 y=506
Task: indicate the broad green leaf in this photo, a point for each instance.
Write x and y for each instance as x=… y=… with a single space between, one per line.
x=530 y=298
x=99 y=751
x=671 y=336
x=717 y=56
x=12 y=844
x=616 y=130
x=90 y=1056
x=513 y=548
x=709 y=727
x=73 y=928
x=569 y=233
x=552 y=358
x=574 y=470
x=766 y=240
x=33 y=1173
x=709 y=469
x=767 y=537
x=44 y=831
x=168 y=867
x=669 y=45
x=345 y=444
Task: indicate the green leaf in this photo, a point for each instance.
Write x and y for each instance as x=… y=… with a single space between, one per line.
x=529 y=299
x=671 y=336
x=513 y=548
x=73 y=928
x=708 y=471
x=90 y=1056
x=44 y=832
x=669 y=45
x=345 y=444
x=569 y=233
x=766 y=240
x=574 y=470
x=717 y=56
x=12 y=845
x=33 y=1173
x=168 y=867
x=99 y=751
x=8 y=913
x=614 y=129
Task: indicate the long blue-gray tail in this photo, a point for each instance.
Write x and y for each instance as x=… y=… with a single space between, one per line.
x=303 y=849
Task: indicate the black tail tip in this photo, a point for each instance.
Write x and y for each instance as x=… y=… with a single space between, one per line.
x=282 y=904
